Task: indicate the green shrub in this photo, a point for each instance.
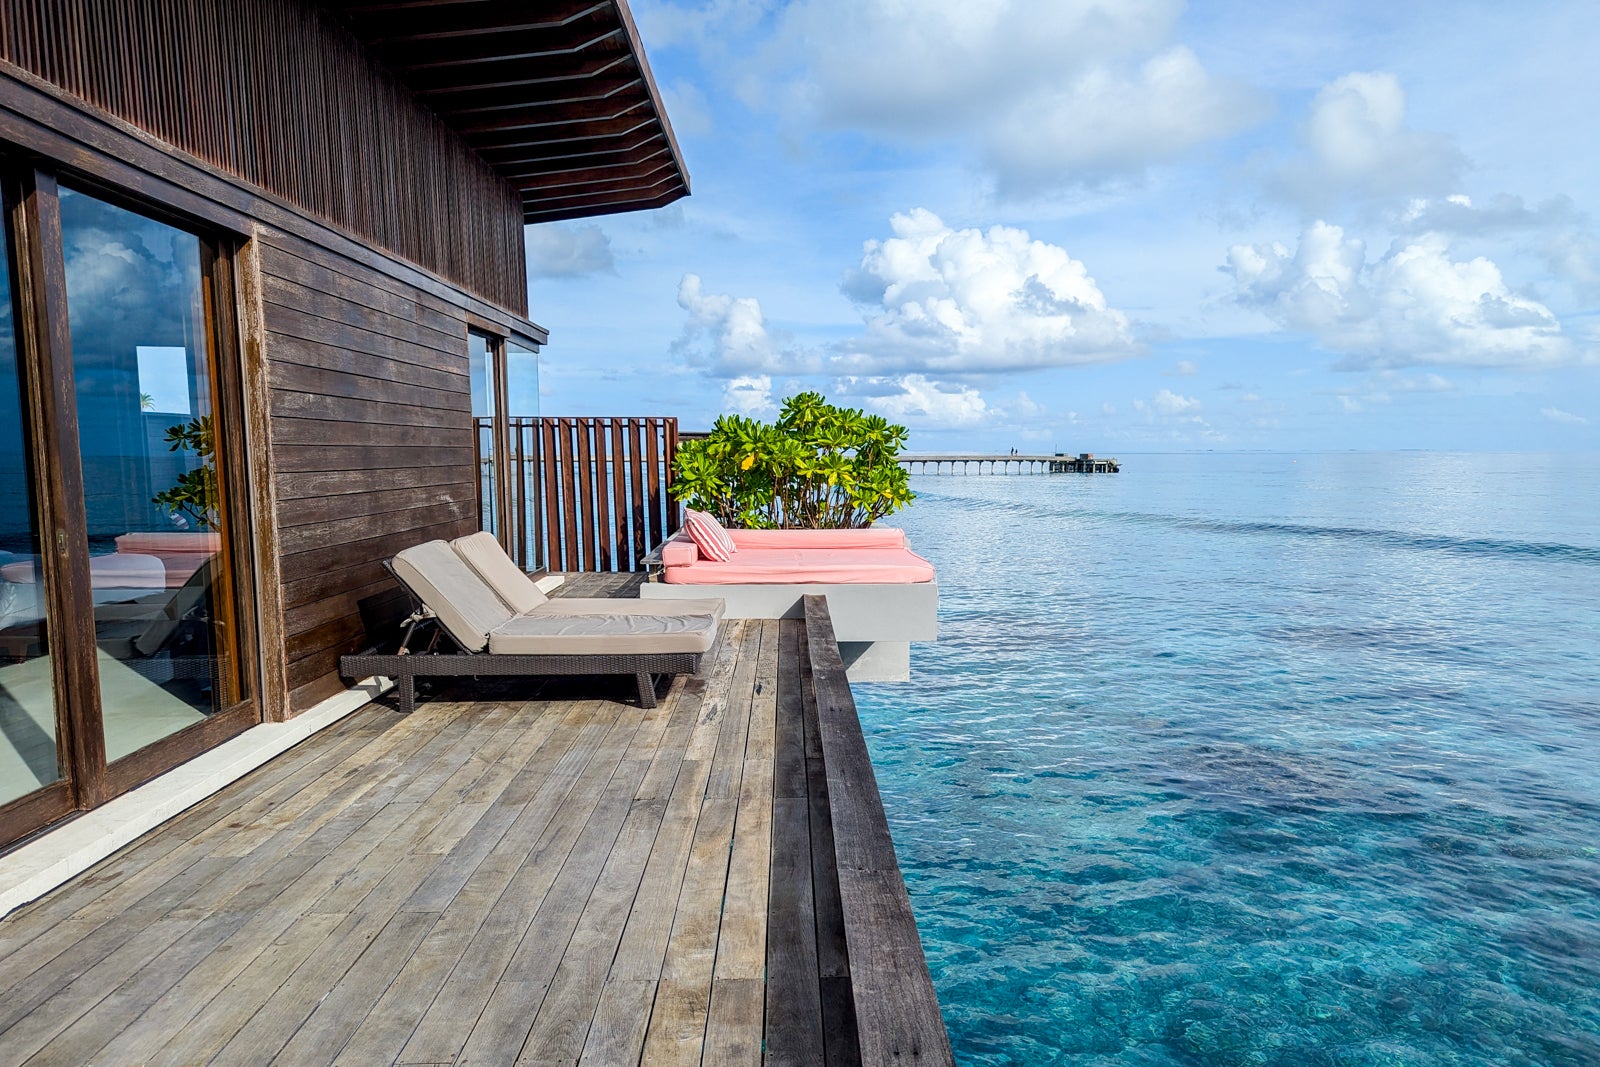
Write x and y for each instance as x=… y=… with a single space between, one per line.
x=817 y=467
x=195 y=495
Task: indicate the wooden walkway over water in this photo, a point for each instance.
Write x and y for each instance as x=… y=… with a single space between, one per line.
x=1000 y=463
x=528 y=873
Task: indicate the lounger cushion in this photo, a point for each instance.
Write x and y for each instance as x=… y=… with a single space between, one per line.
x=572 y=605
x=543 y=634
x=467 y=607
x=484 y=555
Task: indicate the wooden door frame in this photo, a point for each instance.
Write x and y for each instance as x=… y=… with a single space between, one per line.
x=46 y=350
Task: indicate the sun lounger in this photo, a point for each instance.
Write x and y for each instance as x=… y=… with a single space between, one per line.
x=503 y=625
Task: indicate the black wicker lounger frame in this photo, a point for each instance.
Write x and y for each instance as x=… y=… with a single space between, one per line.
x=406 y=666
x=405 y=669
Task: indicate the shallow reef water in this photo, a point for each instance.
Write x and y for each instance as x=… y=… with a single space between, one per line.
x=1258 y=759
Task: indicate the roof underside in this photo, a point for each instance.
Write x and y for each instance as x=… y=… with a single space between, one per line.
x=556 y=95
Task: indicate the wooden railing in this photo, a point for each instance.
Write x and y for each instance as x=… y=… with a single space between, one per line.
x=897 y=1011
x=584 y=494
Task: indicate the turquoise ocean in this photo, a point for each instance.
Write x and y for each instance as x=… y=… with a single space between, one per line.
x=1258 y=759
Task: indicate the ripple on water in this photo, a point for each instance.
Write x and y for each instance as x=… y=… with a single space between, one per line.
x=1195 y=776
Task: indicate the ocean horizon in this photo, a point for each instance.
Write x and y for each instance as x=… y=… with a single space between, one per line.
x=1258 y=758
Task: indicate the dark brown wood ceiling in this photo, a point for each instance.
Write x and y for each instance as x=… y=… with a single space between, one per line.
x=556 y=95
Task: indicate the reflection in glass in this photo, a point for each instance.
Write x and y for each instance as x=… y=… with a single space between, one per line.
x=481 y=368
x=28 y=753
x=160 y=572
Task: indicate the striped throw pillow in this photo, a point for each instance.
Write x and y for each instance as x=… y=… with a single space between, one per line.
x=708 y=535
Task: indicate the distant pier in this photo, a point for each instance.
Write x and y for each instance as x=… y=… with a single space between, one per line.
x=984 y=463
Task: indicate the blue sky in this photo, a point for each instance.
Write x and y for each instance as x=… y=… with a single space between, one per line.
x=1062 y=225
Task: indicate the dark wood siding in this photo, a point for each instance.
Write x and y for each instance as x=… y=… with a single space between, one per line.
x=357 y=410
x=275 y=93
x=371 y=423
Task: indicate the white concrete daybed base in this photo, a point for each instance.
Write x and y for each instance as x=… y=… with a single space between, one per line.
x=874 y=624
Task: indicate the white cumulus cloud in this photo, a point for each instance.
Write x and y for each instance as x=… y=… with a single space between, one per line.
x=919 y=402
x=936 y=65
x=1055 y=92
x=1556 y=230
x=1108 y=121
x=727 y=336
x=1356 y=145
x=749 y=394
x=1166 y=402
x=1414 y=306
x=560 y=251
x=970 y=301
x=1566 y=418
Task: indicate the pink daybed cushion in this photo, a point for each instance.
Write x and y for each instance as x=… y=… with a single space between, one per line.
x=796 y=566
x=875 y=537
x=163 y=542
x=181 y=553
x=679 y=552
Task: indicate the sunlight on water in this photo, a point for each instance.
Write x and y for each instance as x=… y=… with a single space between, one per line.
x=1258 y=759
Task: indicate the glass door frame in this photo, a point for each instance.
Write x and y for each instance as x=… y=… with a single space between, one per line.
x=38 y=265
x=499 y=429
x=513 y=520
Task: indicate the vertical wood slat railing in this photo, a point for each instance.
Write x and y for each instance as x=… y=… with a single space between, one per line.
x=587 y=493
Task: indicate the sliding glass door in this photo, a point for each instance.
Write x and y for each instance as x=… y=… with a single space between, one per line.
x=159 y=565
x=118 y=542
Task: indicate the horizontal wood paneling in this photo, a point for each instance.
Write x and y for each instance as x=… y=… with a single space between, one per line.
x=278 y=94
x=333 y=483
x=372 y=449
x=352 y=505
x=293 y=431
x=294 y=322
x=341 y=306
x=346 y=360
x=289 y=404
x=293 y=458
x=313 y=537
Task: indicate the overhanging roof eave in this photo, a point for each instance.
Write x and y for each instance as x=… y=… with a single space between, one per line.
x=598 y=98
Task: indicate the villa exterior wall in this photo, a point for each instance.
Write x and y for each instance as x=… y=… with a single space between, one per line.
x=358 y=436
x=372 y=431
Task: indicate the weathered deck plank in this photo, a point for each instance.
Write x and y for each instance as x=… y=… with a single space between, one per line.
x=504 y=876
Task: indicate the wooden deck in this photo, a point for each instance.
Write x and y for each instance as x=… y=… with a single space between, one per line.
x=519 y=873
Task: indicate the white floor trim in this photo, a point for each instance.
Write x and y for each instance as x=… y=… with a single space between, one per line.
x=58 y=855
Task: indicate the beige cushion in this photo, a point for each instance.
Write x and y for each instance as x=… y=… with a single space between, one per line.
x=484 y=555
x=540 y=634
x=467 y=607
x=574 y=605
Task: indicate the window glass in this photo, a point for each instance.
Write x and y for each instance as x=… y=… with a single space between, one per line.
x=160 y=569
x=522 y=381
